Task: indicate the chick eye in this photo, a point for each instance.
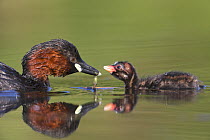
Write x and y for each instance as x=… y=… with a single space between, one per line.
x=118 y=66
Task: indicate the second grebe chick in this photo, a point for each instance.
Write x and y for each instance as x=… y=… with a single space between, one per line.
x=126 y=72
x=57 y=57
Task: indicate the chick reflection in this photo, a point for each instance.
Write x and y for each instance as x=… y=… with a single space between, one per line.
x=57 y=120
x=170 y=96
x=131 y=97
x=122 y=105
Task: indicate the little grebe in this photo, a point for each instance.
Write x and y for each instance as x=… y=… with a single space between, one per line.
x=170 y=80
x=58 y=119
x=57 y=57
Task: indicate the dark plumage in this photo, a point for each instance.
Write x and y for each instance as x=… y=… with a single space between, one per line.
x=57 y=120
x=57 y=57
x=170 y=80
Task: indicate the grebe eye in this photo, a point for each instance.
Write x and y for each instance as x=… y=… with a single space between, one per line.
x=73 y=59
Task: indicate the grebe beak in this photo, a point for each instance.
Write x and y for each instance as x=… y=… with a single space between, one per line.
x=85 y=68
x=110 y=69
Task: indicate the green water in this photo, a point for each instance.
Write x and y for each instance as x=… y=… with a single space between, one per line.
x=155 y=36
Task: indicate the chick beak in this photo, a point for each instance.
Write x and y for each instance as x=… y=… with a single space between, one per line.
x=110 y=68
x=109 y=107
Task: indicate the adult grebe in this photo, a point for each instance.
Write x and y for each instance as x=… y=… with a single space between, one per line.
x=57 y=57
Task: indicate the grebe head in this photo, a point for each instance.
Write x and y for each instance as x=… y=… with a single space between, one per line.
x=56 y=57
x=122 y=70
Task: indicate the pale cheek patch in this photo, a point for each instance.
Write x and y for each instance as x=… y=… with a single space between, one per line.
x=78 y=67
x=78 y=110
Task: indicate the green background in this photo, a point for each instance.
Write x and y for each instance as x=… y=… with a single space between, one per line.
x=155 y=36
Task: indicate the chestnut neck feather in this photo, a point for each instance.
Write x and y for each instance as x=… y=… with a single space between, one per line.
x=39 y=64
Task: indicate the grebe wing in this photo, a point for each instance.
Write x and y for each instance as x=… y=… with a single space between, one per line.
x=9 y=78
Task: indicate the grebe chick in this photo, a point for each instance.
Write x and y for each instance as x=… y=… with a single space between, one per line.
x=170 y=80
x=57 y=57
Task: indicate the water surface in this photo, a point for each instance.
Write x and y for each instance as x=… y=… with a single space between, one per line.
x=155 y=36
